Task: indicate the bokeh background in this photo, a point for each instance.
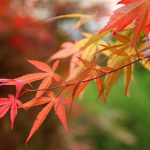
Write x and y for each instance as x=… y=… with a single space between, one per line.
x=123 y=123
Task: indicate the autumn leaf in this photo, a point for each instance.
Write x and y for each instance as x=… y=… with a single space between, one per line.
x=82 y=48
x=11 y=103
x=67 y=49
x=47 y=74
x=40 y=119
x=137 y=11
x=92 y=71
x=119 y=55
x=59 y=105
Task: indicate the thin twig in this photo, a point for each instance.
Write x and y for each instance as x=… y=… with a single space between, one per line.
x=71 y=84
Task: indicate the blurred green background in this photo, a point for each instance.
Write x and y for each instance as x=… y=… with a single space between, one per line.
x=130 y=114
x=123 y=123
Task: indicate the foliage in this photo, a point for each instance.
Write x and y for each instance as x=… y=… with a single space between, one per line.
x=121 y=48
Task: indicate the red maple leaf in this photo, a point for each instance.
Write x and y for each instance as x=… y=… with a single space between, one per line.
x=137 y=11
x=11 y=103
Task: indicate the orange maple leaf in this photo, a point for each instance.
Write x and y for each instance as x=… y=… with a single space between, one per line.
x=59 y=105
x=47 y=74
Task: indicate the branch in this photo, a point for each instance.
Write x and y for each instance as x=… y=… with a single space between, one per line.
x=71 y=84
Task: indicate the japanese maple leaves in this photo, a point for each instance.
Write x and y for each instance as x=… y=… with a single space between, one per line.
x=134 y=10
x=47 y=75
x=51 y=101
x=63 y=97
x=11 y=102
x=120 y=55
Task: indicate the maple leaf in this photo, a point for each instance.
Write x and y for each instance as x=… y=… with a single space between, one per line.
x=83 y=48
x=134 y=10
x=59 y=105
x=67 y=49
x=47 y=74
x=92 y=71
x=119 y=55
x=11 y=103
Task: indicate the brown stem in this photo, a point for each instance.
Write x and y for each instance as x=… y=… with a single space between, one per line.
x=71 y=84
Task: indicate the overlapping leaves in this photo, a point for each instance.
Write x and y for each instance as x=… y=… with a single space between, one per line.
x=121 y=55
x=137 y=11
